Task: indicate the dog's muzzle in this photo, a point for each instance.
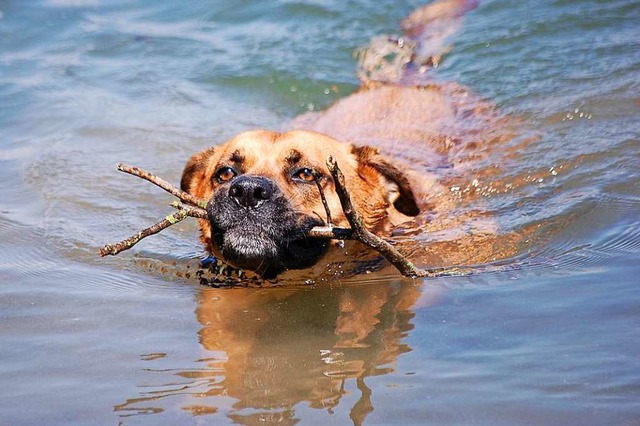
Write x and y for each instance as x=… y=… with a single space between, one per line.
x=255 y=227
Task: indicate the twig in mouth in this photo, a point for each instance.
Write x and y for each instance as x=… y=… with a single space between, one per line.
x=191 y=206
x=194 y=207
x=331 y=233
x=182 y=195
x=316 y=179
x=116 y=248
x=360 y=233
x=183 y=212
x=192 y=211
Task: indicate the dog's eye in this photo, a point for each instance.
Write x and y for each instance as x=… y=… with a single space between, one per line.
x=225 y=174
x=306 y=175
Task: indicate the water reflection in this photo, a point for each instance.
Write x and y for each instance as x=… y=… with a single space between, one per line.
x=266 y=352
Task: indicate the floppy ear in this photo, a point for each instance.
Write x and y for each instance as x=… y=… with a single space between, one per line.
x=194 y=173
x=405 y=202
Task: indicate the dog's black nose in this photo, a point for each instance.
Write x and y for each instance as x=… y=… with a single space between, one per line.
x=251 y=191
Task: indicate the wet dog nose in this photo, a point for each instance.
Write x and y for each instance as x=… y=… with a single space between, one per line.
x=251 y=191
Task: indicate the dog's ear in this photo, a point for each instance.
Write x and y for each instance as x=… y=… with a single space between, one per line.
x=194 y=173
x=400 y=191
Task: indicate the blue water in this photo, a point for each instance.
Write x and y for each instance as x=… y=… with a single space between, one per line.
x=550 y=336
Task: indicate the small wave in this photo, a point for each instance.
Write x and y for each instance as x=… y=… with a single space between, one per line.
x=604 y=232
x=23 y=252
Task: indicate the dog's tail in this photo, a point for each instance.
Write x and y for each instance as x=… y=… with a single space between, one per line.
x=426 y=30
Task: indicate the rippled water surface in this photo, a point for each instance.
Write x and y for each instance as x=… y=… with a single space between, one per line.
x=546 y=334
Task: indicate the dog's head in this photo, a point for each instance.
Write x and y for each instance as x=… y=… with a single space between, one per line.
x=263 y=197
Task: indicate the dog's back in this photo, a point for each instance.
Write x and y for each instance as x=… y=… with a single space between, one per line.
x=439 y=132
x=399 y=108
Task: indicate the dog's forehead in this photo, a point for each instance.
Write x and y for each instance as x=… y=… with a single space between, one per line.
x=275 y=150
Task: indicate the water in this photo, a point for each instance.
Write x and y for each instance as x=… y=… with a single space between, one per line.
x=548 y=335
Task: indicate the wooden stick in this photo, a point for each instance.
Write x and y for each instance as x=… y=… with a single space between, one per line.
x=331 y=233
x=183 y=212
x=116 y=248
x=360 y=233
x=184 y=196
x=194 y=207
x=192 y=211
x=316 y=179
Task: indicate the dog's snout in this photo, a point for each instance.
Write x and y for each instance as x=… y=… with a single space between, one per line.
x=251 y=191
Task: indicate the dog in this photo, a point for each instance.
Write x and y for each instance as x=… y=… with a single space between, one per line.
x=395 y=139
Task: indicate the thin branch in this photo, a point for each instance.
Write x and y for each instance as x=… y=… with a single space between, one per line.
x=191 y=211
x=183 y=212
x=360 y=233
x=331 y=233
x=116 y=248
x=182 y=195
x=316 y=179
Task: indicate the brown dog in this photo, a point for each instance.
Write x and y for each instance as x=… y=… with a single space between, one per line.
x=262 y=193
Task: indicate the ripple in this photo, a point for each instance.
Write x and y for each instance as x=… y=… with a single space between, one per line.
x=575 y=249
x=23 y=253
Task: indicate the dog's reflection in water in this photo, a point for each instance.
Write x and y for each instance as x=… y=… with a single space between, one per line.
x=267 y=352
